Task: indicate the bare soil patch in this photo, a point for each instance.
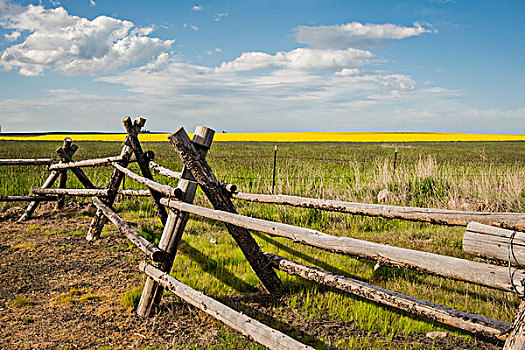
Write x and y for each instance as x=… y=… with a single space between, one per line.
x=59 y=291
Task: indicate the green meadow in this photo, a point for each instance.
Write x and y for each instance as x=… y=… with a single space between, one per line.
x=485 y=176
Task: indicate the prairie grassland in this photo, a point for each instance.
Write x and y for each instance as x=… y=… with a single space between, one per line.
x=470 y=176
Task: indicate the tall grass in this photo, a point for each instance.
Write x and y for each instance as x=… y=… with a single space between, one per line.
x=467 y=176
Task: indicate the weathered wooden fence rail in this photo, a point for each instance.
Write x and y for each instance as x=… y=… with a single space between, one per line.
x=514 y=221
x=479 y=240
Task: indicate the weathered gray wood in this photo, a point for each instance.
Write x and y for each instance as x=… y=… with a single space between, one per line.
x=49 y=182
x=137 y=193
x=82 y=177
x=203 y=174
x=99 y=220
x=28 y=198
x=62 y=182
x=454 y=268
x=495 y=243
x=515 y=221
x=174 y=228
x=143 y=163
x=39 y=161
x=148 y=248
x=159 y=169
x=62 y=178
x=82 y=192
x=259 y=332
x=85 y=163
x=473 y=323
x=516 y=338
x=159 y=188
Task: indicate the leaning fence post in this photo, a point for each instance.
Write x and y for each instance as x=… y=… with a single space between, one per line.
x=220 y=200
x=274 y=166
x=50 y=180
x=174 y=227
x=143 y=162
x=62 y=179
x=99 y=220
x=516 y=338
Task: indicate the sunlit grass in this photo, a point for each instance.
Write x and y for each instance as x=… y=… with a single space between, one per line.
x=470 y=176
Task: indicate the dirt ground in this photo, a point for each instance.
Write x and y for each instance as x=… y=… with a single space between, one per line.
x=59 y=291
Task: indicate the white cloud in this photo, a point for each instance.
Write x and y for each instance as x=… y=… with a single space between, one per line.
x=191 y=26
x=74 y=45
x=197 y=7
x=282 y=99
x=355 y=34
x=302 y=58
x=13 y=36
x=92 y=3
x=220 y=16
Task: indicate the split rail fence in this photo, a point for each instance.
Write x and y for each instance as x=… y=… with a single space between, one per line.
x=498 y=236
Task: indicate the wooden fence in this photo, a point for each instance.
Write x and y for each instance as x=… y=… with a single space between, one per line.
x=490 y=237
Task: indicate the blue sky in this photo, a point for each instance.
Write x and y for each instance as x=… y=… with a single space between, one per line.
x=455 y=66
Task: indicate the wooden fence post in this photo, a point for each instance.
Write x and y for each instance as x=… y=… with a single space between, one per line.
x=174 y=227
x=220 y=200
x=62 y=179
x=516 y=338
x=99 y=220
x=143 y=163
x=50 y=179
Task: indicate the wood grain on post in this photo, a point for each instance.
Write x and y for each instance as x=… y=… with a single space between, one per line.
x=203 y=174
x=516 y=338
x=259 y=332
x=47 y=184
x=446 y=266
x=144 y=164
x=99 y=220
x=495 y=243
x=62 y=178
x=174 y=228
x=514 y=221
x=470 y=322
x=151 y=250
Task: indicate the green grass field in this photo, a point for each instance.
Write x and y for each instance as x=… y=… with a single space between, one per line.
x=469 y=176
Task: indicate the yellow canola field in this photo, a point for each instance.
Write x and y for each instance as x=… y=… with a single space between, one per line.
x=293 y=137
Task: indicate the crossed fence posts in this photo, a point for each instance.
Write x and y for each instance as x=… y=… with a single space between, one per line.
x=197 y=172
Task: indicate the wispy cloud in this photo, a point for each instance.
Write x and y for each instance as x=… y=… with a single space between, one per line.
x=74 y=45
x=302 y=58
x=220 y=16
x=91 y=3
x=355 y=34
x=197 y=7
x=191 y=26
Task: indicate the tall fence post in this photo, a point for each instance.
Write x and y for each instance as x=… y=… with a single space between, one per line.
x=143 y=162
x=220 y=200
x=62 y=179
x=274 y=167
x=175 y=225
x=99 y=220
x=395 y=162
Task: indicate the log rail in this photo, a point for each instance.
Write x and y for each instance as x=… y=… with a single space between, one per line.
x=480 y=240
